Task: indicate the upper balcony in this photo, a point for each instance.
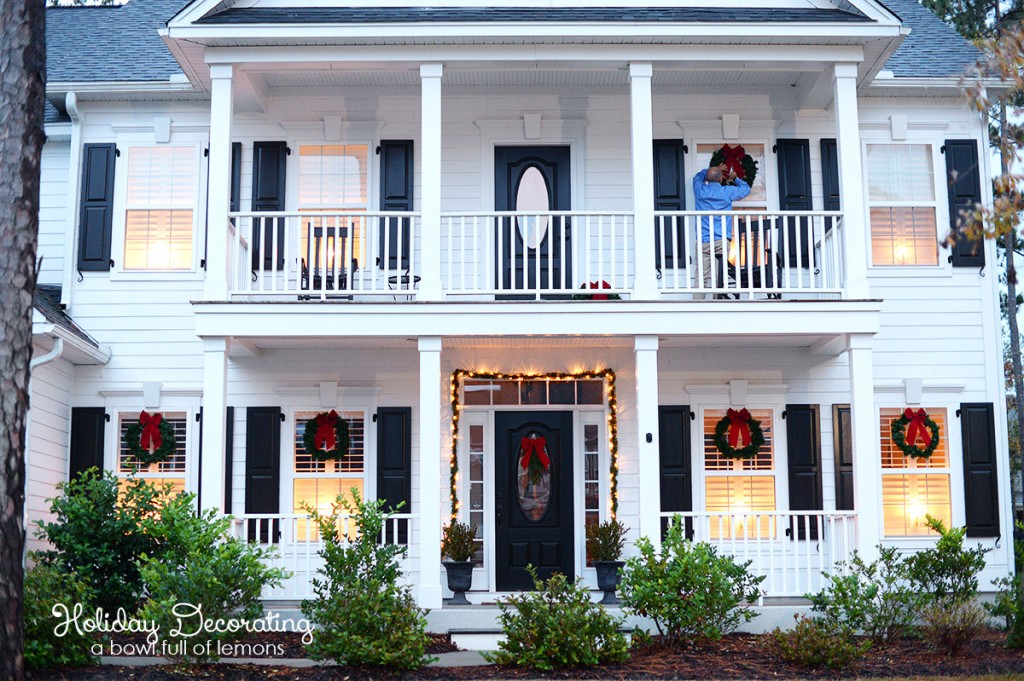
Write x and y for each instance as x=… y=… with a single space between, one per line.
x=535 y=255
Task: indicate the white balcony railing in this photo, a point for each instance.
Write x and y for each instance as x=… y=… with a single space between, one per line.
x=323 y=255
x=790 y=549
x=537 y=254
x=297 y=542
x=750 y=254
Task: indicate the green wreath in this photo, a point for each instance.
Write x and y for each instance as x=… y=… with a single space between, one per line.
x=343 y=441
x=747 y=161
x=167 y=448
x=899 y=434
x=727 y=450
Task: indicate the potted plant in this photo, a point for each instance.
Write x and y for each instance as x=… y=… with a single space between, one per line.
x=604 y=546
x=457 y=544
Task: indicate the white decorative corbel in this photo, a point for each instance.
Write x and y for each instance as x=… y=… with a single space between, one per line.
x=730 y=126
x=328 y=394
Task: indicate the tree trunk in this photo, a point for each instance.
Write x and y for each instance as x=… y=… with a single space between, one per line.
x=22 y=73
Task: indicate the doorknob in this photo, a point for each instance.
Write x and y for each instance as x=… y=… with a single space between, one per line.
x=497 y=515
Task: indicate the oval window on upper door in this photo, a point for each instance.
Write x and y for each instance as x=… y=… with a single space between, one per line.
x=533 y=195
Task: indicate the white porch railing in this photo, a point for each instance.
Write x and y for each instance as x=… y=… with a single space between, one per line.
x=790 y=549
x=323 y=255
x=769 y=253
x=537 y=254
x=297 y=542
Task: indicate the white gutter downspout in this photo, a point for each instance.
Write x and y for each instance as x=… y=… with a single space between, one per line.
x=53 y=355
x=74 y=184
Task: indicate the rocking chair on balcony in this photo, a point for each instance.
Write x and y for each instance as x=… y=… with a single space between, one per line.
x=762 y=273
x=329 y=273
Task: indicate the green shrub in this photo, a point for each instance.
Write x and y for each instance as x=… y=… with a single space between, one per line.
x=689 y=590
x=363 y=616
x=558 y=625
x=202 y=567
x=817 y=642
x=1009 y=601
x=873 y=598
x=605 y=540
x=48 y=585
x=101 y=528
x=948 y=570
x=949 y=623
x=458 y=542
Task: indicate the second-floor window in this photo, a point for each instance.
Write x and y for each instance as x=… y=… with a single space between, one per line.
x=901 y=196
x=333 y=178
x=160 y=204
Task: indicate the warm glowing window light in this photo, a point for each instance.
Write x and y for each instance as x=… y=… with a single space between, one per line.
x=173 y=470
x=914 y=488
x=742 y=489
x=319 y=483
x=901 y=194
x=159 y=208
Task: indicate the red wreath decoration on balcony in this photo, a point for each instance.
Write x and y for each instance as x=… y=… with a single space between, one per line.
x=911 y=427
x=597 y=296
x=151 y=439
x=533 y=457
x=326 y=436
x=736 y=159
x=738 y=436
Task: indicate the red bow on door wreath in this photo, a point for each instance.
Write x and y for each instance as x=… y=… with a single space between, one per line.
x=534 y=456
x=151 y=439
x=737 y=435
x=911 y=425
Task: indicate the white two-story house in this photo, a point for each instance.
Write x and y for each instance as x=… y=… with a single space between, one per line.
x=463 y=226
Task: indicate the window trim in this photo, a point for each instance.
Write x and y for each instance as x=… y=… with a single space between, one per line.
x=120 y=226
x=289 y=464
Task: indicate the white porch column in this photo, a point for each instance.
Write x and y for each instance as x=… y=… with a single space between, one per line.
x=646 y=349
x=215 y=401
x=430 y=472
x=851 y=187
x=867 y=472
x=430 y=182
x=219 y=199
x=645 y=284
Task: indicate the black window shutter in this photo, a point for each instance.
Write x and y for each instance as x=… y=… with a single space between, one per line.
x=830 y=174
x=87 y=430
x=981 y=484
x=842 y=435
x=794 y=158
x=803 y=446
x=669 y=194
x=236 y=177
x=262 y=468
x=96 y=218
x=964 y=183
x=229 y=456
x=269 y=165
x=394 y=463
x=676 y=477
x=396 y=190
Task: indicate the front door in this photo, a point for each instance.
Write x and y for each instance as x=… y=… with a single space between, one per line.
x=533 y=496
x=533 y=252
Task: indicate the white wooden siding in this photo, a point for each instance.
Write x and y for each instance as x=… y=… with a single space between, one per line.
x=53 y=211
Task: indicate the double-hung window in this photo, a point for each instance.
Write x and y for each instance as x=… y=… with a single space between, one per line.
x=333 y=178
x=172 y=471
x=901 y=196
x=160 y=208
x=914 y=488
x=318 y=484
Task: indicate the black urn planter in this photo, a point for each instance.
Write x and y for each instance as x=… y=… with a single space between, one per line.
x=608 y=576
x=460 y=579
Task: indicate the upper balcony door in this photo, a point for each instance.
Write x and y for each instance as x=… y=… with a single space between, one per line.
x=530 y=252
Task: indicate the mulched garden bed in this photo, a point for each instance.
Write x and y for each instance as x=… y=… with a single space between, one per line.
x=740 y=656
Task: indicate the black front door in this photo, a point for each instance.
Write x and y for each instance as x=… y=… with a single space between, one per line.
x=533 y=251
x=533 y=496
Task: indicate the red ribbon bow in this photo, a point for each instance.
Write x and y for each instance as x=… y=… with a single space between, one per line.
x=733 y=158
x=534 y=446
x=326 y=437
x=151 y=432
x=739 y=428
x=917 y=426
x=600 y=296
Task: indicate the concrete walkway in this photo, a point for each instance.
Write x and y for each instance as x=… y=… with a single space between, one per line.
x=463 y=658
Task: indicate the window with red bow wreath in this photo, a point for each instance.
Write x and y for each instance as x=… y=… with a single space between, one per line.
x=151 y=439
x=326 y=436
x=911 y=427
x=738 y=160
x=738 y=436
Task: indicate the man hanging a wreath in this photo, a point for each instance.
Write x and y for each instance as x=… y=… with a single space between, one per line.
x=728 y=179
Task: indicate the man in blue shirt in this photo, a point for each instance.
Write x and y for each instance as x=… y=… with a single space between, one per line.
x=711 y=192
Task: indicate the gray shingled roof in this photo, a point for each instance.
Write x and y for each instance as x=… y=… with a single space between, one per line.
x=401 y=15
x=933 y=48
x=121 y=43
x=110 y=43
x=52 y=115
x=47 y=302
